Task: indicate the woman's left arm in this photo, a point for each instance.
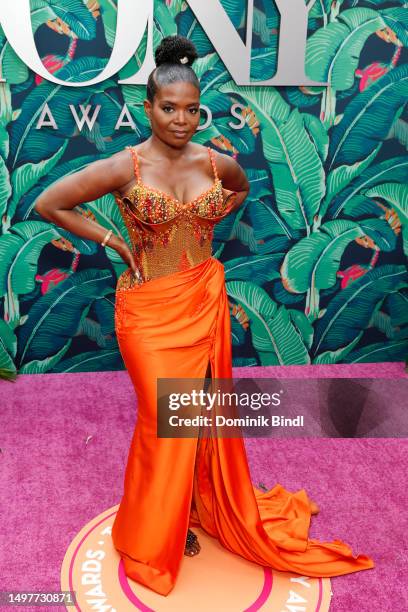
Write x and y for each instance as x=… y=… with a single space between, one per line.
x=233 y=177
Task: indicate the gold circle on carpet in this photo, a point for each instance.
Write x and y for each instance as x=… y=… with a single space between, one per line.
x=214 y=579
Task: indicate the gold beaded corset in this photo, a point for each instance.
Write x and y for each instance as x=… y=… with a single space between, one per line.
x=166 y=235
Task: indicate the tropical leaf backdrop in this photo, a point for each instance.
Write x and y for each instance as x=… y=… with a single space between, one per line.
x=315 y=260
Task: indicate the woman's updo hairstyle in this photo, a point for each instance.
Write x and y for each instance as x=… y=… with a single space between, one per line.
x=174 y=57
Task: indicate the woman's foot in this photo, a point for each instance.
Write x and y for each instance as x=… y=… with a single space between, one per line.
x=192 y=544
x=314 y=508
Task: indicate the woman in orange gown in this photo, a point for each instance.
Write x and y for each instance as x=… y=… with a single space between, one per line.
x=172 y=321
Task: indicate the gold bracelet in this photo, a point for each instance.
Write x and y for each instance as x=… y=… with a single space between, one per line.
x=108 y=235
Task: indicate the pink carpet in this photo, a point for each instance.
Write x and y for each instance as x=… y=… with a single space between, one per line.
x=64 y=445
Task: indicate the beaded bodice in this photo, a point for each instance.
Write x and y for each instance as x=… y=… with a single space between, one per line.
x=168 y=236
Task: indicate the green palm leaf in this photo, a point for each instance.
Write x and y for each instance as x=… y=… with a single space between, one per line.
x=261 y=27
x=8 y=349
x=383 y=322
x=380 y=231
x=394 y=350
x=26 y=177
x=8 y=339
x=397 y=306
x=351 y=310
x=313 y=262
x=40 y=366
x=109 y=12
x=341 y=177
x=399 y=130
x=28 y=144
x=6 y=115
x=317 y=133
x=5 y=187
x=274 y=335
x=370 y=113
x=263 y=63
x=267 y=222
x=333 y=52
x=203 y=64
x=260 y=268
x=75 y=14
x=55 y=317
x=188 y=26
x=19 y=253
x=164 y=20
x=395 y=169
x=8 y=370
x=104 y=310
x=243 y=140
x=338 y=355
x=397 y=19
x=396 y=195
x=92 y=361
x=259 y=180
x=12 y=69
x=176 y=6
x=297 y=170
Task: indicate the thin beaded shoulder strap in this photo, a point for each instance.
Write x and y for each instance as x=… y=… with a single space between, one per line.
x=211 y=152
x=137 y=169
x=135 y=162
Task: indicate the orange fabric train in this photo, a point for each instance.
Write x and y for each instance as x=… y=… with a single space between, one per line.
x=171 y=484
x=173 y=325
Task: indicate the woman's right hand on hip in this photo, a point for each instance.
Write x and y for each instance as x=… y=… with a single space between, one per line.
x=126 y=254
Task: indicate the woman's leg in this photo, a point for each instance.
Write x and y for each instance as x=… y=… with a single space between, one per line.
x=192 y=544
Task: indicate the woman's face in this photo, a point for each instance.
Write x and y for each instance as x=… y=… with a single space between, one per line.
x=175 y=113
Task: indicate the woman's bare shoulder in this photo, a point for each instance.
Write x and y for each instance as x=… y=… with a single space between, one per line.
x=199 y=152
x=118 y=166
x=227 y=166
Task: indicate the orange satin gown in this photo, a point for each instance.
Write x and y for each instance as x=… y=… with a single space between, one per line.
x=175 y=324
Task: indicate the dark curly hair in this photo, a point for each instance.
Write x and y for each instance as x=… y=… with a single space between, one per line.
x=174 y=58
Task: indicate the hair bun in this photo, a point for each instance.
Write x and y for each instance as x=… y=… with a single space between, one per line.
x=175 y=50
